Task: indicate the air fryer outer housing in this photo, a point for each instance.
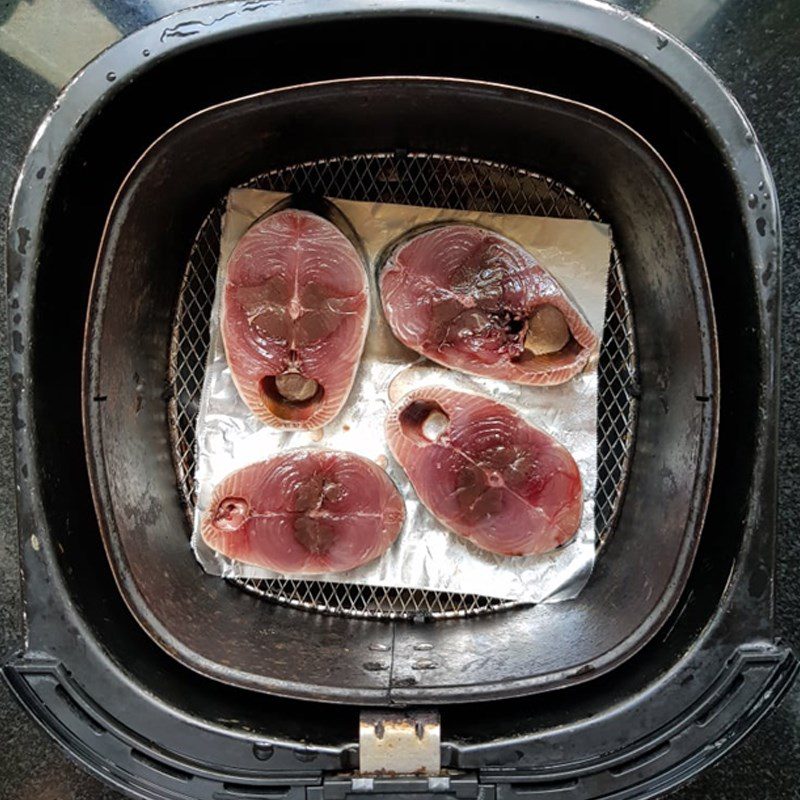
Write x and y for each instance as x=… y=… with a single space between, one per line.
x=144 y=723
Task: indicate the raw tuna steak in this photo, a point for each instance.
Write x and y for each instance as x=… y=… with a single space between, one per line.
x=473 y=300
x=485 y=473
x=295 y=314
x=307 y=511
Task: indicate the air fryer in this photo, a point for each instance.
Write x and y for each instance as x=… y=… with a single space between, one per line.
x=268 y=703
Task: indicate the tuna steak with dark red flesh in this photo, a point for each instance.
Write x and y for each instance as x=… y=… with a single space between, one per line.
x=485 y=473
x=305 y=512
x=475 y=301
x=294 y=318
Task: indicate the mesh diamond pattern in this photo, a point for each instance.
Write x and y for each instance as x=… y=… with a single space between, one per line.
x=412 y=179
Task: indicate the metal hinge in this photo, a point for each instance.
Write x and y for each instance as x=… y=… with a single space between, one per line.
x=400 y=754
x=397 y=743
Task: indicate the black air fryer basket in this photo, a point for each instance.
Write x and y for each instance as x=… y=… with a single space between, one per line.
x=171 y=683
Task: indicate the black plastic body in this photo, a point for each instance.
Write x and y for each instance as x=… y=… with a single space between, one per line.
x=145 y=723
x=202 y=620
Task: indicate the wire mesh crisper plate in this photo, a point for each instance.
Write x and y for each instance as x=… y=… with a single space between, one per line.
x=423 y=180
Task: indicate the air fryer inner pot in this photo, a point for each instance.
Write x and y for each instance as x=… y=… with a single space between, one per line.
x=206 y=623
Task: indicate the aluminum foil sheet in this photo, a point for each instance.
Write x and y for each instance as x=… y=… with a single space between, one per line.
x=426 y=555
